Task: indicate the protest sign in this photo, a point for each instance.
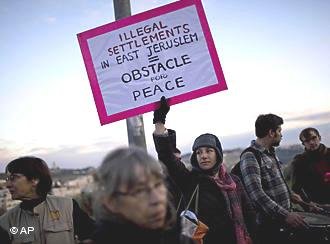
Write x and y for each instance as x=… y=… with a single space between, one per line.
x=167 y=51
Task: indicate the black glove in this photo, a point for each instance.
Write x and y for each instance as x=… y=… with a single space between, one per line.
x=160 y=113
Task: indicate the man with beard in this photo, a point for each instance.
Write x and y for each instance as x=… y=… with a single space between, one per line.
x=311 y=169
x=265 y=183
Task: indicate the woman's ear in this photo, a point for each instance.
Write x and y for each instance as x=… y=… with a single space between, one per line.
x=271 y=133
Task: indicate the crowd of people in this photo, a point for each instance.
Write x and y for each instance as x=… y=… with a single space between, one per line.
x=139 y=199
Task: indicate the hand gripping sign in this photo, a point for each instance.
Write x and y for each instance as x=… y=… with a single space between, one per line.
x=167 y=51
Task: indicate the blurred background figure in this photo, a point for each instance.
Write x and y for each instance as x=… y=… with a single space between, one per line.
x=177 y=154
x=311 y=169
x=86 y=200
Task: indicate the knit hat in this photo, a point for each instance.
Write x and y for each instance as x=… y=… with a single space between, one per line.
x=207 y=140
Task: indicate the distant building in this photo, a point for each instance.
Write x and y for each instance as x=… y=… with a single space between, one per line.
x=55 y=168
x=73 y=187
x=70 y=186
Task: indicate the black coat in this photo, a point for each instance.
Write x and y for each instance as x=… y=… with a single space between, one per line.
x=308 y=175
x=108 y=232
x=211 y=204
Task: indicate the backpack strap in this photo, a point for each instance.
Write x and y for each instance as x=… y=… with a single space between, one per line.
x=255 y=152
x=179 y=204
x=196 y=192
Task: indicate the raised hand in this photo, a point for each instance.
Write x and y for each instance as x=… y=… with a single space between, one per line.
x=161 y=112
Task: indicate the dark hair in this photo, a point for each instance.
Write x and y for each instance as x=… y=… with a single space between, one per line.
x=306 y=133
x=177 y=150
x=266 y=122
x=33 y=168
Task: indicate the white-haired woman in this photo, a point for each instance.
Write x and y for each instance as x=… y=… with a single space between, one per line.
x=133 y=204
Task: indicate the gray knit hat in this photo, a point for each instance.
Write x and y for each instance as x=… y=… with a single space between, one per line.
x=207 y=140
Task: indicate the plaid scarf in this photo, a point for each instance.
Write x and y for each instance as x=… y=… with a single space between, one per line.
x=233 y=204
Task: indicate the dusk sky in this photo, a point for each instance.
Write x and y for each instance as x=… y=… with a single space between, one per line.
x=275 y=56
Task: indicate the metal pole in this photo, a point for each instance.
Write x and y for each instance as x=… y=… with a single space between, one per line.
x=135 y=126
x=122 y=8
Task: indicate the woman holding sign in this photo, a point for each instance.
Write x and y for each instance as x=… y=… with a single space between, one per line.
x=222 y=202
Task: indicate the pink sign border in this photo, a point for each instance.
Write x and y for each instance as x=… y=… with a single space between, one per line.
x=84 y=36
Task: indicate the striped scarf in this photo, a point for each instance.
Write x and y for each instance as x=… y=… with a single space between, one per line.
x=233 y=204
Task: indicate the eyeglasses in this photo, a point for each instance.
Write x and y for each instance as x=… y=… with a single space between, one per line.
x=13 y=177
x=142 y=192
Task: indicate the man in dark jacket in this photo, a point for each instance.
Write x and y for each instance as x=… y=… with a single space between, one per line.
x=311 y=169
x=265 y=183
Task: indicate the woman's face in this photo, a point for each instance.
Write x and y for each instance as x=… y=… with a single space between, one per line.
x=145 y=204
x=20 y=187
x=206 y=157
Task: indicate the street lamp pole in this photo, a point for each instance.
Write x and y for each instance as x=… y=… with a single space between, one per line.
x=135 y=126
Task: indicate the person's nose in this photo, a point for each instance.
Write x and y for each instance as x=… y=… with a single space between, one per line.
x=204 y=155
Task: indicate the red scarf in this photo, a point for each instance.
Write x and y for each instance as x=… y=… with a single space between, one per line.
x=234 y=207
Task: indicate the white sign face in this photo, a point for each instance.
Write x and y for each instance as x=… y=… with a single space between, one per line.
x=167 y=52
